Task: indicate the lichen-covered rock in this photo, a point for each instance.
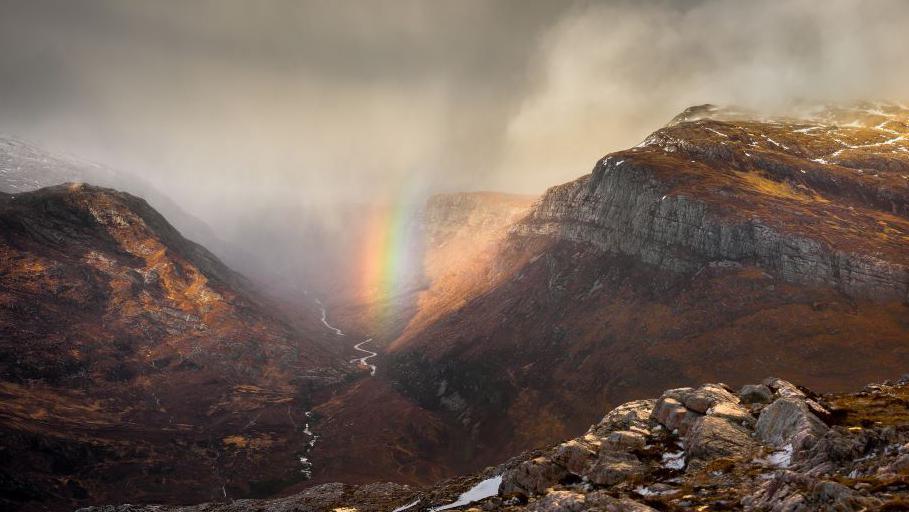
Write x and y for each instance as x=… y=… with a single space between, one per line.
x=559 y=501
x=575 y=456
x=789 y=420
x=711 y=437
x=625 y=440
x=601 y=501
x=613 y=467
x=628 y=416
x=531 y=477
x=732 y=412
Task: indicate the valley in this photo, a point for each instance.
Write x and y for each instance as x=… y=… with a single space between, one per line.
x=723 y=247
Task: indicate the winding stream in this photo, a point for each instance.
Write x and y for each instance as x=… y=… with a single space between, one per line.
x=363 y=360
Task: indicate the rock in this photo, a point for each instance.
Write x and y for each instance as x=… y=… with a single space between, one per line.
x=574 y=456
x=559 y=501
x=707 y=396
x=601 y=501
x=788 y=420
x=669 y=412
x=756 y=394
x=613 y=467
x=630 y=415
x=531 y=477
x=625 y=440
x=732 y=412
x=711 y=437
x=783 y=388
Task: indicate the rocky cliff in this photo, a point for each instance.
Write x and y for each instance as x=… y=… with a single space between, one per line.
x=822 y=200
x=724 y=246
x=135 y=365
x=765 y=446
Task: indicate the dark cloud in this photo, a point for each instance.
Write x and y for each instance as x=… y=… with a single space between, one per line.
x=233 y=106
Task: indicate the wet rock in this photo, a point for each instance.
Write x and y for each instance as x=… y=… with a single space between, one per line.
x=789 y=421
x=613 y=467
x=531 y=477
x=711 y=437
x=756 y=394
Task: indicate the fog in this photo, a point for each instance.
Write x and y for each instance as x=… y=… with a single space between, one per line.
x=258 y=117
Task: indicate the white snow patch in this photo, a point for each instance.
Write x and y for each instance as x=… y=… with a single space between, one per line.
x=483 y=490
x=716 y=132
x=674 y=460
x=408 y=506
x=780 y=458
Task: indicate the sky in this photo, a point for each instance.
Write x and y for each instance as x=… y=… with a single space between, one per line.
x=237 y=107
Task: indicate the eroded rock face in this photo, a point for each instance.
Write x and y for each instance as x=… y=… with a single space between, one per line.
x=531 y=477
x=712 y=437
x=789 y=420
x=652 y=201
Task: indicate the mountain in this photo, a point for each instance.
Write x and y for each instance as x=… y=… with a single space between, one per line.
x=26 y=167
x=766 y=446
x=136 y=366
x=725 y=246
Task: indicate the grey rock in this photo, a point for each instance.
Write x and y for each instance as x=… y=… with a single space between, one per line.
x=789 y=421
x=531 y=477
x=559 y=501
x=575 y=456
x=756 y=394
x=711 y=437
x=614 y=467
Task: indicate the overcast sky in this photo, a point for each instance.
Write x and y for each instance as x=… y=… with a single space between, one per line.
x=229 y=105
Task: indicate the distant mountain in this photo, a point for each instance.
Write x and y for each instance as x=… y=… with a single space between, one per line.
x=135 y=365
x=724 y=247
x=25 y=167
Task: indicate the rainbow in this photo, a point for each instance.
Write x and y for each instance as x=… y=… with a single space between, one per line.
x=389 y=262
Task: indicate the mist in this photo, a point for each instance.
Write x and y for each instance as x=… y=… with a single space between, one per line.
x=264 y=118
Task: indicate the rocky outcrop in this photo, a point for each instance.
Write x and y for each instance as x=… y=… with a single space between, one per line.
x=721 y=463
x=706 y=191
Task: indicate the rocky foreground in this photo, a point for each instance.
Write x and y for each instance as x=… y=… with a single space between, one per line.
x=768 y=446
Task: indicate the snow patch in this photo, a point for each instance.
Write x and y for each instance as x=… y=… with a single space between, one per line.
x=485 y=489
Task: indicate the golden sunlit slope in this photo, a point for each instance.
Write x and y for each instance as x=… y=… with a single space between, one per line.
x=128 y=351
x=724 y=247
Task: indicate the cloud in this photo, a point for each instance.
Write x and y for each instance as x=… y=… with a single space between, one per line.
x=615 y=72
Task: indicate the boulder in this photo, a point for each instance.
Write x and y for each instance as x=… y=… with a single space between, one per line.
x=783 y=388
x=559 y=501
x=625 y=440
x=614 y=467
x=756 y=394
x=630 y=415
x=789 y=420
x=574 y=456
x=732 y=412
x=711 y=437
x=600 y=500
x=531 y=477
x=707 y=396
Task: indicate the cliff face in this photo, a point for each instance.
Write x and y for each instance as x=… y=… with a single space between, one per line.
x=128 y=350
x=723 y=247
x=818 y=204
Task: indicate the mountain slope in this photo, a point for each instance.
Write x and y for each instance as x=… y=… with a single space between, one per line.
x=725 y=246
x=127 y=350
